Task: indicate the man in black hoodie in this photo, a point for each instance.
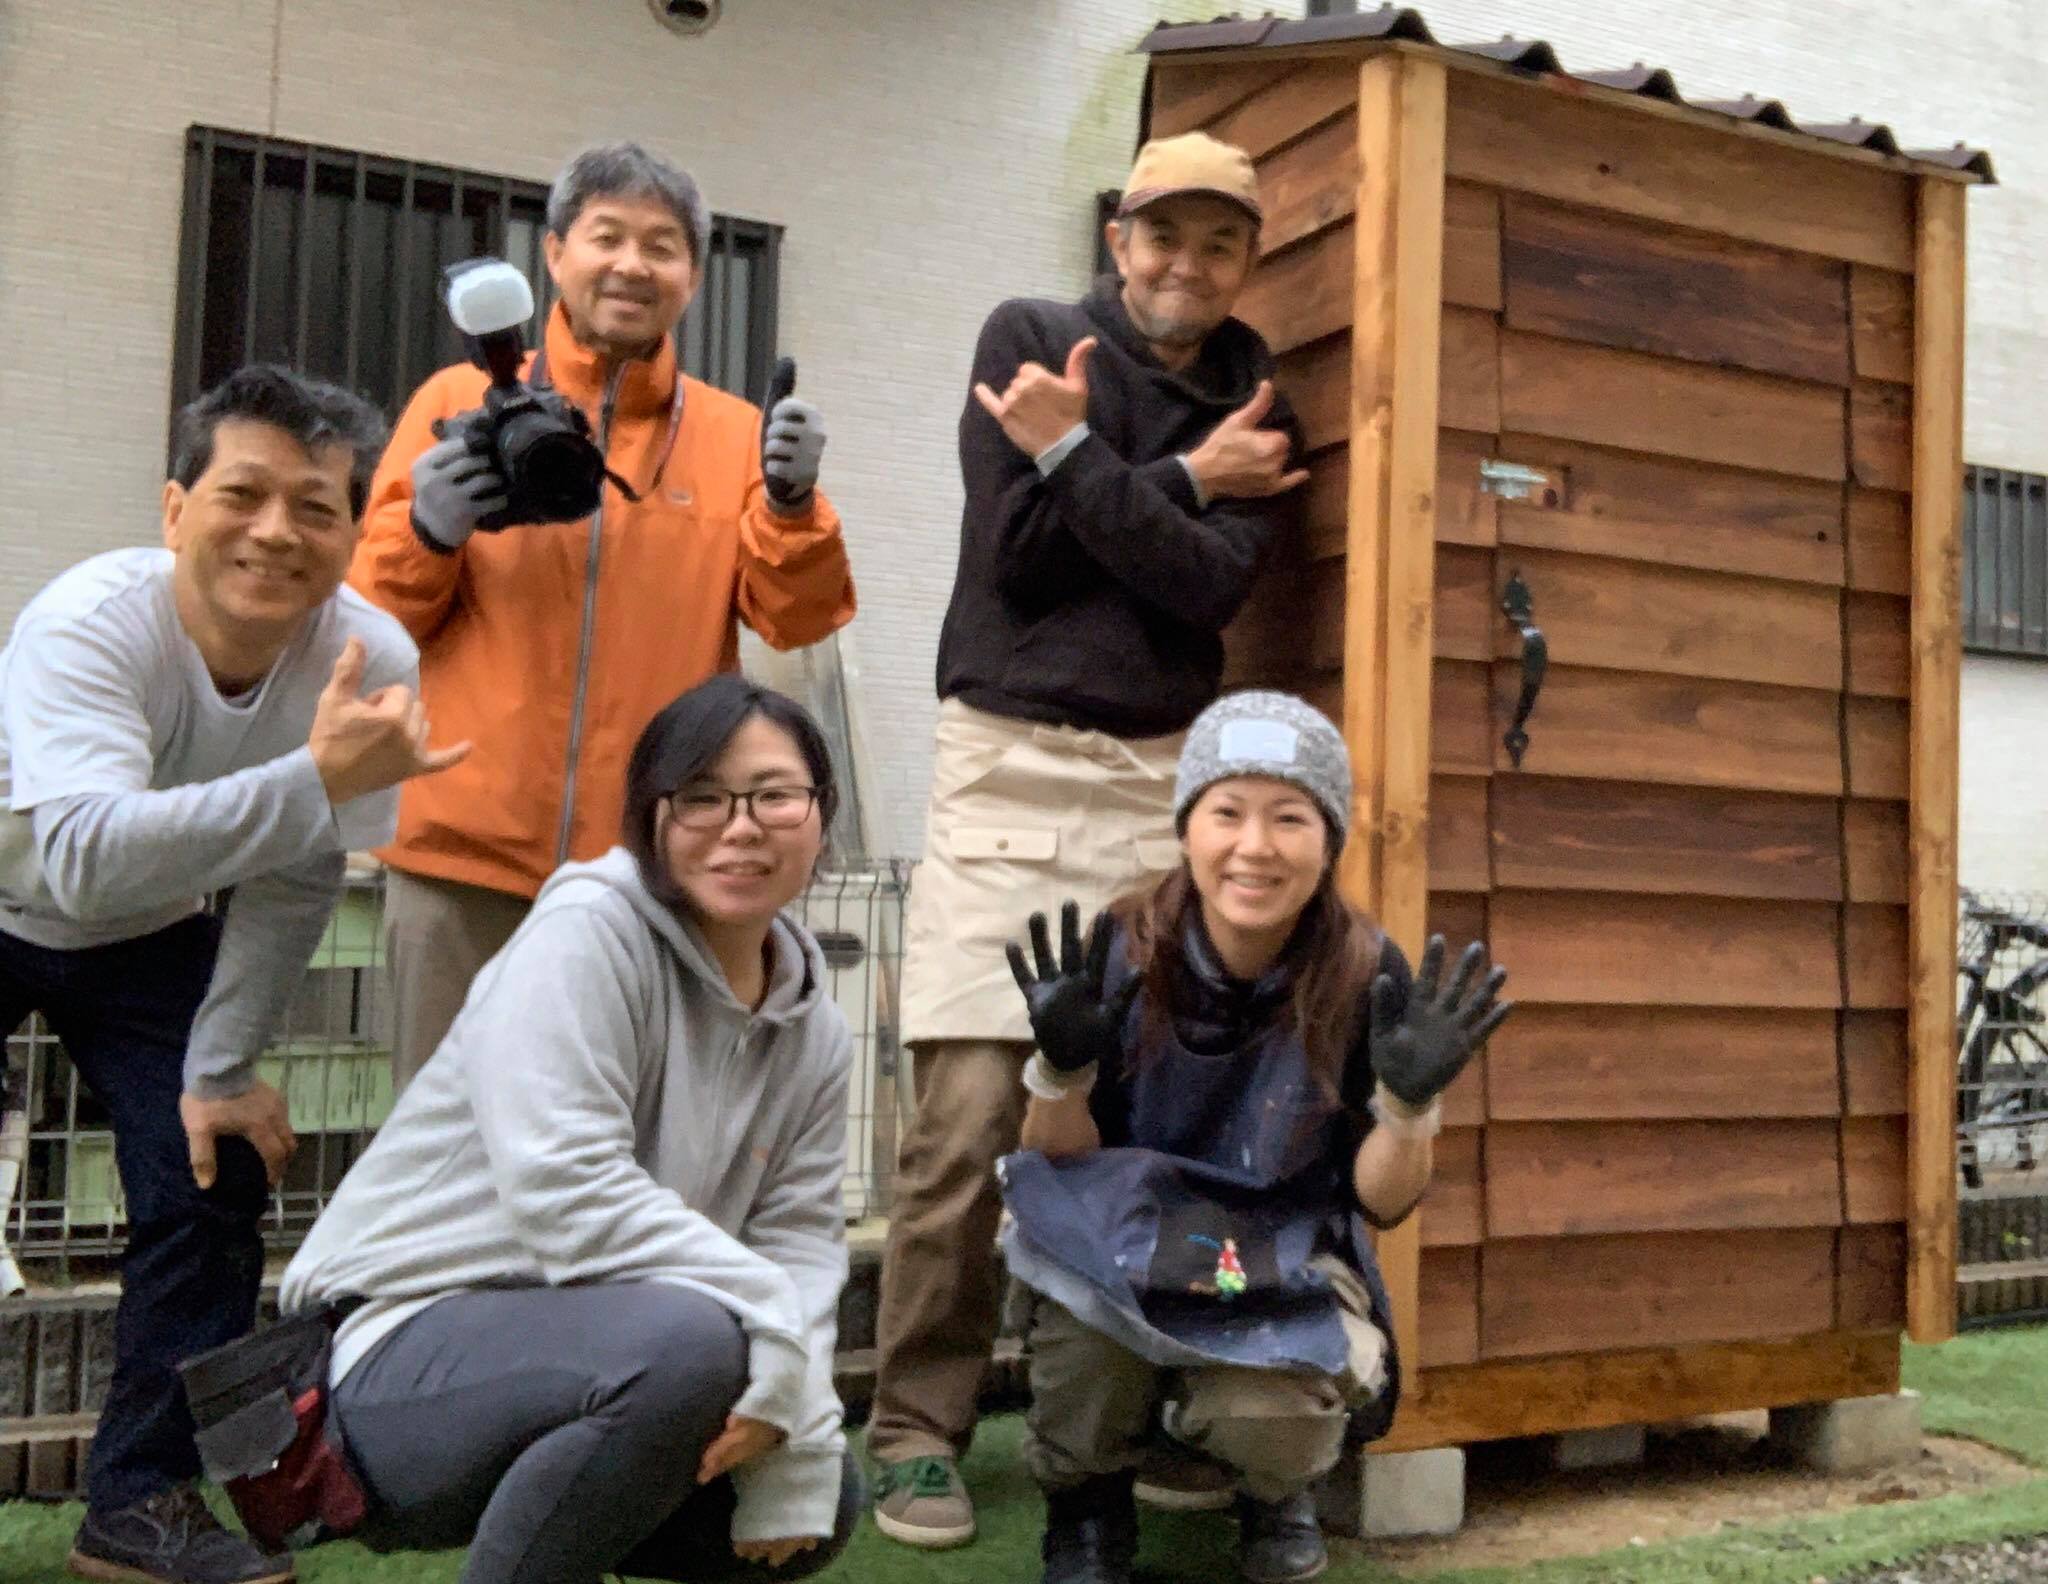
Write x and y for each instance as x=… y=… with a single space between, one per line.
x=1126 y=464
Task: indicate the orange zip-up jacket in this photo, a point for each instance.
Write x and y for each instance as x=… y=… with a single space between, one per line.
x=550 y=646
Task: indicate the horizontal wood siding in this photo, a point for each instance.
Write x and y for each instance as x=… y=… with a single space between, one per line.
x=1562 y=1179
x=1691 y=1134
x=1673 y=1063
x=1567 y=1295
x=1618 y=282
x=1526 y=138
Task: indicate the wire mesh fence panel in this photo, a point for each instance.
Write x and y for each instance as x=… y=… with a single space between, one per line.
x=331 y=1059
x=2002 y=1104
x=2001 y=1055
x=857 y=917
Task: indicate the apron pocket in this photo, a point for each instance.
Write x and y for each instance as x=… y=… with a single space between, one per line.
x=1016 y=844
x=1365 y=1368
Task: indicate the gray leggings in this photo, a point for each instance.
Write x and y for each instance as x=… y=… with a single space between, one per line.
x=556 y=1432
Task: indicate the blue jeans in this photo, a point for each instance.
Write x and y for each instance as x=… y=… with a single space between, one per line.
x=194 y=1260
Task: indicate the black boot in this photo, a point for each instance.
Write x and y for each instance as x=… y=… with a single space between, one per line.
x=1091 y=1532
x=1280 y=1542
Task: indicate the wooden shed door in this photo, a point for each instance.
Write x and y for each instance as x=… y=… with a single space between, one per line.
x=1691 y=451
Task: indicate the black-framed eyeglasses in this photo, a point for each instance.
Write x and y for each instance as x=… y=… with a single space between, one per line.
x=770 y=807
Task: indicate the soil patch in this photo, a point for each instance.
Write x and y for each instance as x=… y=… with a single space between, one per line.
x=1696 y=1477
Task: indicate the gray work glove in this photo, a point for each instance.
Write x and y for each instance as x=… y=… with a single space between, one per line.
x=451 y=488
x=792 y=441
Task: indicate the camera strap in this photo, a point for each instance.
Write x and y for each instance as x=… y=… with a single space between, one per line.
x=538 y=376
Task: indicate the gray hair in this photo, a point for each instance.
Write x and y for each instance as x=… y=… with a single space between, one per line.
x=626 y=170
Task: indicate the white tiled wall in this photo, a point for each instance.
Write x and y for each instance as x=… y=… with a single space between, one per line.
x=2005 y=774
x=929 y=157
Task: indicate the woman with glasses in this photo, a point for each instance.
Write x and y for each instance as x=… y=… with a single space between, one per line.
x=587 y=1274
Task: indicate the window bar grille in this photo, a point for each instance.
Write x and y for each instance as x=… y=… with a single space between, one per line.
x=302 y=324
x=370 y=230
x=253 y=279
x=402 y=295
x=192 y=267
x=353 y=229
x=2005 y=552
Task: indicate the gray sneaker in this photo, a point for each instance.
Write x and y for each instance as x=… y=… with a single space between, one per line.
x=921 y=1502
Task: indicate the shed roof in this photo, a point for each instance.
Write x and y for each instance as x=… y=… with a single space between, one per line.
x=1536 y=58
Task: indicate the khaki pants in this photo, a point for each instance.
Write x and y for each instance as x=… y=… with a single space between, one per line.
x=438 y=934
x=1095 y=1406
x=1023 y=816
x=941 y=1301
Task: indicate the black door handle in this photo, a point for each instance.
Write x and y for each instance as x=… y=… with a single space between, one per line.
x=1516 y=606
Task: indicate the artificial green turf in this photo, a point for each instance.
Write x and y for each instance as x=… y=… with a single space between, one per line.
x=1990 y=1386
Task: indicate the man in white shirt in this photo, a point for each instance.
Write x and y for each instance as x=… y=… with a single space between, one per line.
x=218 y=717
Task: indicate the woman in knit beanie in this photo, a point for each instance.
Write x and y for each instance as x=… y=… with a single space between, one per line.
x=1235 y=1073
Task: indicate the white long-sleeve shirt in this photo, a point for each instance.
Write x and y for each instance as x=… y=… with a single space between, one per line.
x=131 y=790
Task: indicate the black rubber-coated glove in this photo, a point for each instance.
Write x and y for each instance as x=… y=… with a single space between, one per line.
x=1418 y=1049
x=1072 y=1022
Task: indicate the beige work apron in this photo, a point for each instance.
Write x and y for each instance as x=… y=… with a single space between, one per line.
x=1023 y=817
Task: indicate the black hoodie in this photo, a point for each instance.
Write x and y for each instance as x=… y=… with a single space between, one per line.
x=1097 y=597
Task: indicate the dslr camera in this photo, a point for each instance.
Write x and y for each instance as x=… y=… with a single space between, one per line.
x=538 y=443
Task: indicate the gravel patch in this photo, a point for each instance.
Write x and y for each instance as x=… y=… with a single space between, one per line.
x=2022 y=1561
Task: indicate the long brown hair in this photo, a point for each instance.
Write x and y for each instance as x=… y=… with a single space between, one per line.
x=1335 y=951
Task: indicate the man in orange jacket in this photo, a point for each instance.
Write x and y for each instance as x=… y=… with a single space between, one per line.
x=551 y=645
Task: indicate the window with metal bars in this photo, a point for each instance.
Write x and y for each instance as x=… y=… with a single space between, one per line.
x=329 y=260
x=2005 y=561
x=1105 y=211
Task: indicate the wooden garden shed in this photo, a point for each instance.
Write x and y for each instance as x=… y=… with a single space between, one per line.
x=1632 y=573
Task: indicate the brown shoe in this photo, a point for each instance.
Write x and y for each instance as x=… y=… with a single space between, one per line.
x=1174 y=1478
x=920 y=1501
x=170 y=1538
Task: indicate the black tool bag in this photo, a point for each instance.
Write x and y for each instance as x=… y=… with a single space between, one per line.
x=260 y=1404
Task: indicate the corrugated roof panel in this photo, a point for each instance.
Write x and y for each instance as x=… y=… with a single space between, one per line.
x=1533 y=55
x=1387 y=22
x=1652 y=82
x=1538 y=57
x=1764 y=112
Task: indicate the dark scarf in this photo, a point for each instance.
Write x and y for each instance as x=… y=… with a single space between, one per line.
x=1214 y=1012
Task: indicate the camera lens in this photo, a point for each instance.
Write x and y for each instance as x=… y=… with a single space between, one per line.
x=554 y=471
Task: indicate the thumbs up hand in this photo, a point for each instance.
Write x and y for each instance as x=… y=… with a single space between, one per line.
x=365 y=743
x=1239 y=458
x=1041 y=406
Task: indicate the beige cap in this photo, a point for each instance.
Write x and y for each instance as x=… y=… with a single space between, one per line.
x=1193 y=162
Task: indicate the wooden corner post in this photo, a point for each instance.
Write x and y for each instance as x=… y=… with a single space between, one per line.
x=1391 y=544
x=1932 y=787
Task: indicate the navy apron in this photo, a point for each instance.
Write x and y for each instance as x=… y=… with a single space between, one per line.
x=1193 y=1244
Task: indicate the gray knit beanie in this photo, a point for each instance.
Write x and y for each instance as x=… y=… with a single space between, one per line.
x=1267 y=734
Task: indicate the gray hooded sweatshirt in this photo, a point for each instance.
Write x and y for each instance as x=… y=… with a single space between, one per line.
x=604 y=1109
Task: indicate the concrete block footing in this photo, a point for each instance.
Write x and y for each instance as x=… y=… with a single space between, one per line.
x=1612 y=1446
x=1852 y=1434
x=1386 y=1495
